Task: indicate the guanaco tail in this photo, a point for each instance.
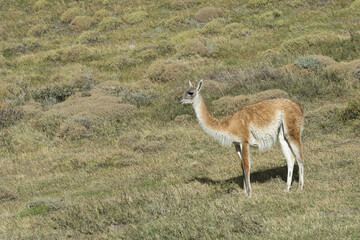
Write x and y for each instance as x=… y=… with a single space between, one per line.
x=257 y=125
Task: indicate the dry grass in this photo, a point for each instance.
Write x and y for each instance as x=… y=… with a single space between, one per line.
x=95 y=104
x=207 y=14
x=135 y=17
x=183 y=4
x=81 y=23
x=190 y=47
x=106 y=151
x=348 y=71
x=71 y=14
x=167 y=70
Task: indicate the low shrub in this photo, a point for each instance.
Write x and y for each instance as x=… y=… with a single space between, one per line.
x=96 y=105
x=352 y=110
x=135 y=17
x=37 y=30
x=66 y=82
x=73 y=129
x=236 y=30
x=339 y=48
x=207 y=14
x=167 y=70
x=49 y=125
x=2 y=61
x=184 y=4
x=308 y=62
x=314 y=62
x=80 y=23
x=71 y=13
x=53 y=94
x=71 y=54
x=181 y=37
x=304 y=44
x=109 y=23
x=9 y=114
x=224 y=47
x=78 y=76
x=146 y=54
x=343 y=71
x=273 y=57
x=193 y=47
x=120 y=62
x=27 y=45
x=176 y=23
x=355 y=5
x=7 y=195
x=214 y=27
x=101 y=14
x=41 y=4
x=258 y=3
x=92 y=36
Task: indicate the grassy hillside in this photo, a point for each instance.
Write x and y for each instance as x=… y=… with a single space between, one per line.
x=94 y=145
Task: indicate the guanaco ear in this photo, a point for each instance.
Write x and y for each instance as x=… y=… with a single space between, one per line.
x=190 y=84
x=199 y=86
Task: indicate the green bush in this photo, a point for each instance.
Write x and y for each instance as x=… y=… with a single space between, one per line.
x=308 y=62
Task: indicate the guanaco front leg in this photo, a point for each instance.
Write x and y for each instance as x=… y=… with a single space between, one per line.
x=238 y=150
x=245 y=163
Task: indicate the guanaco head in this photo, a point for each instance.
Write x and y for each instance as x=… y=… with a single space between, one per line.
x=191 y=93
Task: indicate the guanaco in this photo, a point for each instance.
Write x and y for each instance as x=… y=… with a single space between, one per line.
x=257 y=125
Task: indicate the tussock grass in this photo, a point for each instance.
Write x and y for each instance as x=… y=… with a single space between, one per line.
x=167 y=70
x=206 y=14
x=71 y=14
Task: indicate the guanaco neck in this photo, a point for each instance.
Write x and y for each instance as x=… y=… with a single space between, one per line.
x=206 y=120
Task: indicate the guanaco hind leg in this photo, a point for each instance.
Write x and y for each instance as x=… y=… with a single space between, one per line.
x=293 y=143
x=297 y=150
x=289 y=156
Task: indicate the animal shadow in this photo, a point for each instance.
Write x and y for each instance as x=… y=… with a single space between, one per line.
x=258 y=176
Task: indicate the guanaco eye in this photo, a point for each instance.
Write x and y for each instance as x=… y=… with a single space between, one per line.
x=190 y=93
